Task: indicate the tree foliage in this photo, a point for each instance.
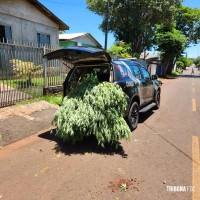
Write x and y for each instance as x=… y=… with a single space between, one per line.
x=171 y=43
x=188 y=22
x=133 y=21
x=183 y=62
x=186 y=61
x=180 y=64
x=120 y=49
x=197 y=61
x=93 y=108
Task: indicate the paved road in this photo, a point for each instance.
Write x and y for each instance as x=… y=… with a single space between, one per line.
x=162 y=156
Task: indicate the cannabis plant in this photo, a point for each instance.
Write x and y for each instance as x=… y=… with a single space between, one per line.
x=93 y=108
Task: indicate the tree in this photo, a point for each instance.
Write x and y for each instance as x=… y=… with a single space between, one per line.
x=133 y=21
x=183 y=62
x=186 y=61
x=171 y=43
x=188 y=22
x=197 y=60
x=180 y=64
x=175 y=37
x=120 y=49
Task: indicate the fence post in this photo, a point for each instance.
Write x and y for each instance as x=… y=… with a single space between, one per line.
x=45 y=71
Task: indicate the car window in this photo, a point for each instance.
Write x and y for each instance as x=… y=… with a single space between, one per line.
x=136 y=71
x=145 y=73
x=120 y=71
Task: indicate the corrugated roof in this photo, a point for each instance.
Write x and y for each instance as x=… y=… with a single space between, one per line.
x=49 y=14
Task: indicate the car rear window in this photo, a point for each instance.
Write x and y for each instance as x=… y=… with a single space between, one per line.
x=103 y=73
x=121 y=71
x=134 y=69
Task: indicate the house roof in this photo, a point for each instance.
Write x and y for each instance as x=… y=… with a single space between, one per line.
x=149 y=56
x=71 y=36
x=49 y=14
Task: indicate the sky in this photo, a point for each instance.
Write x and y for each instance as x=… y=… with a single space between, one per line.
x=75 y=14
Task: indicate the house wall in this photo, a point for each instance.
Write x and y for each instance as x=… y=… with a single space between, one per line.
x=26 y=21
x=70 y=43
x=153 y=68
x=85 y=40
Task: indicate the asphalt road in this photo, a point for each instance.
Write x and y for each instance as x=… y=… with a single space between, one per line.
x=161 y=161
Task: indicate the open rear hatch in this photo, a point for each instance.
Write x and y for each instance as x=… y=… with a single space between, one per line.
x=80 y=55
x=84 y=61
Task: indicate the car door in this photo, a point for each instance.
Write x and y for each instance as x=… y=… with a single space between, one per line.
x=141 y=84
x=124 y=77
x=148 y=85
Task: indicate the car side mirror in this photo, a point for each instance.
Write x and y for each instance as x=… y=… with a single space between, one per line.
x=154 y=77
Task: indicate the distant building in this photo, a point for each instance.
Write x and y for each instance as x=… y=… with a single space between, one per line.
x=28 y=21
x=152 y=63
x=78 y=39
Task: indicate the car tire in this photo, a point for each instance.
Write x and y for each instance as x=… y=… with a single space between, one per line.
x=133 y=116
x=157 y=100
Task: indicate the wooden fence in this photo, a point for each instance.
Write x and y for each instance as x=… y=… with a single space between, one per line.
x=24 y=74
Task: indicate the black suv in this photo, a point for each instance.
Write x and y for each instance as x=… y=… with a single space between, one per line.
x=135 y=80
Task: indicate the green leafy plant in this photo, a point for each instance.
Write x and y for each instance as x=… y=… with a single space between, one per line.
x=93 y=108
x=22 y=69
x=123 y=186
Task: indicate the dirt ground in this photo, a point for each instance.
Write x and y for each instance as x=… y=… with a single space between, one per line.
x=20 y=121
x=158 y=155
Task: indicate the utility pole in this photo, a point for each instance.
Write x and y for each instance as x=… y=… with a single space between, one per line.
x=107 y=25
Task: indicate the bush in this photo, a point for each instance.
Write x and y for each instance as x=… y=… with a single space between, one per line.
x=175 y=73
x=180 y=64
x=184 y=62
x=93 y=108
x=23 y=69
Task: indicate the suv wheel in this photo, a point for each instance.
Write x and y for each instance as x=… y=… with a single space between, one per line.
x=157 y=100
x=133 y=116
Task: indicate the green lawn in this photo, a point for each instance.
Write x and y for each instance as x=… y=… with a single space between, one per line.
x=54 y=99
x=22 y=83
x=35 y=89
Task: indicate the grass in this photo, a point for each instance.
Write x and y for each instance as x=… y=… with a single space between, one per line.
x=22 y=82
x=35 y=89
x=174 y=74
x=54 y=99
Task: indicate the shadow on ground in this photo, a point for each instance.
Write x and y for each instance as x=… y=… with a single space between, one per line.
x=188 y=76
x=145 y=115
x=88 y=145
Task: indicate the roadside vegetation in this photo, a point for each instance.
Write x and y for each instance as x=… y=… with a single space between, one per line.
x=197 y=62
x=54 y=99
x=182 y=63
x=167 y=26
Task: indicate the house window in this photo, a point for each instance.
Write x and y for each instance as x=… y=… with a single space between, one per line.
x=5 y=33
x=43 y=39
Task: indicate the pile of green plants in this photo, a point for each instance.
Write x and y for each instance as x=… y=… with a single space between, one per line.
x=93 y=108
